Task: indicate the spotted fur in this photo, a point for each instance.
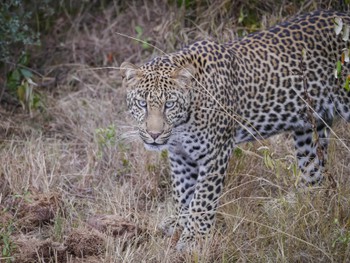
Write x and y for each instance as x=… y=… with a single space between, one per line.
x=203 y=100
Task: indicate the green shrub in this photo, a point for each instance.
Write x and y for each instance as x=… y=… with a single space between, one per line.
x=15 y=30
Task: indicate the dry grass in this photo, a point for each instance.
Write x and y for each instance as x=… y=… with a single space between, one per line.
x=77 y=186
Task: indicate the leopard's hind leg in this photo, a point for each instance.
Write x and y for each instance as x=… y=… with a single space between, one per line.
x=311 y=151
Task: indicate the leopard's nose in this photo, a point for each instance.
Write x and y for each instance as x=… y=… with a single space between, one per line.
x=154 y=135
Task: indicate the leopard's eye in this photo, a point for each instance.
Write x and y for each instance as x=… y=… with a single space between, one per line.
x=169 y=104
x=141 y=103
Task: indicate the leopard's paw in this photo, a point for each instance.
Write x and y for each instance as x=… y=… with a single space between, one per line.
x=170 y=225
x=186 y=243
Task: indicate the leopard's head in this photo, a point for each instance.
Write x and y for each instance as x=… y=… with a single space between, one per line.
x=158 y=98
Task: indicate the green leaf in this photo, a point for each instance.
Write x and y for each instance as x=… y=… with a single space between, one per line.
x=304 y=54
x=139 y=31
x=14 y=76
x=269 y=162
x=339 y=68
x=346 y=86
x=26 y=73
x=242 y=15
x=346 y=30
x=24 y=59
x=21 y=93
x=36 y=103
x=13 y=80
x=145 y=45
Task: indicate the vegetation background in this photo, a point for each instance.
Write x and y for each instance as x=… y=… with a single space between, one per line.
x=76 y=185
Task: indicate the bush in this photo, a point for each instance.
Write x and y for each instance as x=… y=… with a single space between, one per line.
x=15 y=31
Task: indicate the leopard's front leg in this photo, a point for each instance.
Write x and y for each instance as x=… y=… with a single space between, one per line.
x=204 y=203
x=202 y=210
x=184 y=174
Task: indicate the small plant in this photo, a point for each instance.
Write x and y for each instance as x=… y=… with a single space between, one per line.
x=249 y=21
x=106 y=137
x=268 y=159
x=15 y=32
x=139 y=35
x=164 y=156
x=5 y=241
x=238 y=152
x=343 y=235
x=20 y=25
x=20 y=83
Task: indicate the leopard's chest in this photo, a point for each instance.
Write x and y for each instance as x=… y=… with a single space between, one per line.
x=189 y=141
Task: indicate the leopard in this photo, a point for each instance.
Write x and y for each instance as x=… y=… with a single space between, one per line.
x=201 y=102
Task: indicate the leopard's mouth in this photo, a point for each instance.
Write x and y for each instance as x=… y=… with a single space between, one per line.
x=156 y=143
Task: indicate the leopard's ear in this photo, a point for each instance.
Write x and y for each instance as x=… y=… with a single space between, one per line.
x=128 y=71
x=184 y=75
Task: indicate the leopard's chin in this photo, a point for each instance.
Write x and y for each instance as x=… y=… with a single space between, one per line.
x=155 y=147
